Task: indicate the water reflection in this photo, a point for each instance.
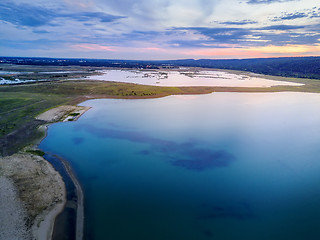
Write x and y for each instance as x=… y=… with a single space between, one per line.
x=187 y=78
x=220 y=166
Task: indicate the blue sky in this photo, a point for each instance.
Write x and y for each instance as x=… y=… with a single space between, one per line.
x=159 y=29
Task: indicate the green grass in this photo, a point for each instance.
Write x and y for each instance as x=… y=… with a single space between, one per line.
x=16 y=108
x=74 y=114
x=36 y=152
x=20 y=104
x=72 y=88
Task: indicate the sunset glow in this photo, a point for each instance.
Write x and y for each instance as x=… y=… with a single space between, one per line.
x=151 y=29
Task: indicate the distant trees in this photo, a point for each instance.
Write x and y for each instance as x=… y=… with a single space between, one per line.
x=303 y=67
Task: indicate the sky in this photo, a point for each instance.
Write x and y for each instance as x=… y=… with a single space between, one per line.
x=159 y=29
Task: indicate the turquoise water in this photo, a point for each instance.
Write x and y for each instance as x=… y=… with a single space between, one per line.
x=218 y=166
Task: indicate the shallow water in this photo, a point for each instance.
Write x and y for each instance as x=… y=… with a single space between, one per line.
x=218 y=166
x=14 y=81
x=187 y=78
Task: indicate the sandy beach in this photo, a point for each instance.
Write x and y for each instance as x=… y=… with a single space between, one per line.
x=13 y=212
x=63 y=113
x=33 y=192
x=80 y=196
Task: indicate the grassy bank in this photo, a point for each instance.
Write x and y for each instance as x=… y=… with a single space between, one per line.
x=19 y=104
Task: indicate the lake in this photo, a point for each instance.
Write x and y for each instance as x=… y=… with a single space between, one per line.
x=187 y=77
x=219 y=166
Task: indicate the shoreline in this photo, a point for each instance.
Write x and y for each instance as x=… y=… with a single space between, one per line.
x=79 y=228
x=40 y=186
x=62 y=114
x=46 y=220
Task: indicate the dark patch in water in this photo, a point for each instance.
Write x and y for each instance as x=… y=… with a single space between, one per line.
x=77 y=140
x=186 y=155
x=202 y=159
x=240 y=211
x=126 y=135
x=144 y=152
x=208 y=233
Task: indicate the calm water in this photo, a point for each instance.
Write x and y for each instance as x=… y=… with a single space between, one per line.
x=188 y=78
x=218 y=166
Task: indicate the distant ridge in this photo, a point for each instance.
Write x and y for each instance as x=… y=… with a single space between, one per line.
x=303 y=67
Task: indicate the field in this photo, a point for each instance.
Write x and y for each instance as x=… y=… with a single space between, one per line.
x=20 y=104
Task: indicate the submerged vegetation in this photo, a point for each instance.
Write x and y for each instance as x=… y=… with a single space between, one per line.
x=20 y=104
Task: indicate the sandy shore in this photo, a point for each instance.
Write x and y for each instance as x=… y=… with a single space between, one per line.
x=63 y=113
x=13 y=212
x=68 y=113
x=44 y=222
x=33 y=192
x=40 y=194
x=80 y=207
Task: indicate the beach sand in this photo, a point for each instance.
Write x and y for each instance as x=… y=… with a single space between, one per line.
x=79 y=201
x=32 y=191
x=37 y=192
x=13 y=212
x=62 y=113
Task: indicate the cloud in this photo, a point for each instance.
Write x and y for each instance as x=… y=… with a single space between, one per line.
x=267 y=1
x=308 y=13
x=41 y=31
x=292 y=38
x=25 y=15
x=223 y=35
x=217 y=36
x=288 y=50
x=162 y=11
x=93 y=47
x=242 y=22
x=34 y=16
x=199 y=44
x=237 y=37
x=290 y=16
x=281 y=27
x=314 y=13
x=87 y=16
x=145 y=27
x=42 y=43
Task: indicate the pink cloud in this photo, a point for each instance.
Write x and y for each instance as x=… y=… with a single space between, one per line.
x=257 y=52
x=94 y=47
x=224 y=53
x=153 y=49
x=97 y=47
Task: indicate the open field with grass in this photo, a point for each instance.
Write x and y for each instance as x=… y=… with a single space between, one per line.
x=20 y=104
x=19 y=126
